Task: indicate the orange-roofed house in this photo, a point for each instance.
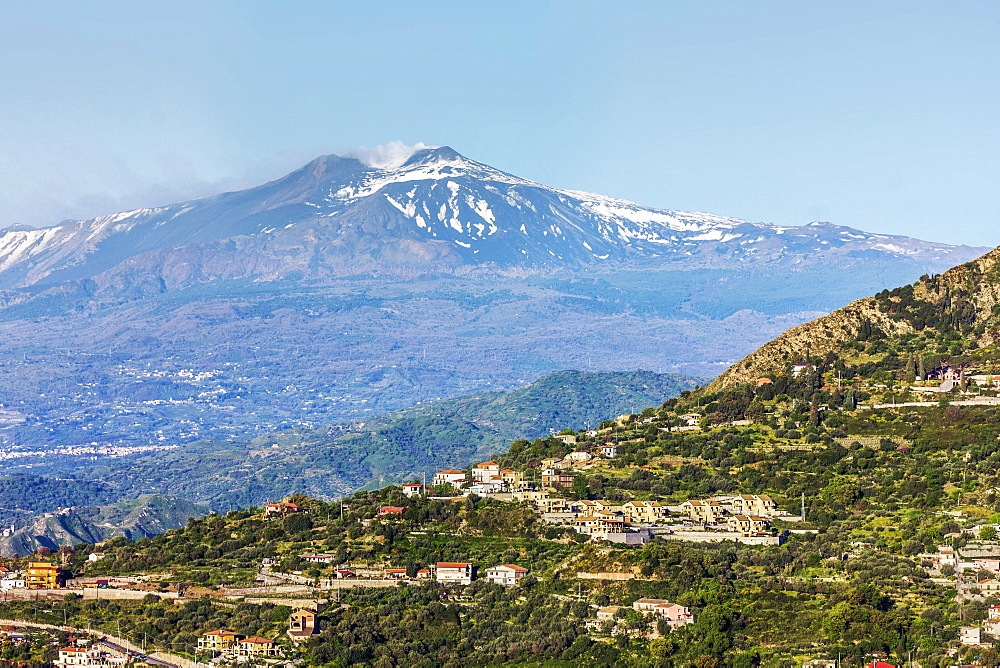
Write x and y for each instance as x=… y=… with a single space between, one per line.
x=280 y=509
x=257 y=646
x=449 y=477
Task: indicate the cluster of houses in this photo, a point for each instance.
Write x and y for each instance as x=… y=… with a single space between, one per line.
x=973 y=635
x=85 y=653
x=483 y=479
x=444 y=572
x=633 y=522
x=302 y=624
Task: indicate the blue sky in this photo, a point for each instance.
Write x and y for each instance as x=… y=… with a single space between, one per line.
x=878 y=115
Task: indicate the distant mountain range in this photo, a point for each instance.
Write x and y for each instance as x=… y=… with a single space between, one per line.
x=144 y=517
x=344 y=290
x=436 y=212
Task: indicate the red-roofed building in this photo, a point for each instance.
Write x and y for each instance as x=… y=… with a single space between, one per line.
x=507 y=575
x=454 y=573
x=391 y=511
x=257 y=646
x=412 y=489
x=280 y=509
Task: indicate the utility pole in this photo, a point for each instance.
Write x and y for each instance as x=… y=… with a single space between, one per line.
x=803 y=506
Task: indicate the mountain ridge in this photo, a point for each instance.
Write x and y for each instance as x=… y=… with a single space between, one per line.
x=438 y=211
x=972 y=287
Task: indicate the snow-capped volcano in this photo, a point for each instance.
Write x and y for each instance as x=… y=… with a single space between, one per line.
x=432 y=209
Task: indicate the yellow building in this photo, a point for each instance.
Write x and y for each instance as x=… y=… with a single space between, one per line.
x=218 y=641
x=43 y=575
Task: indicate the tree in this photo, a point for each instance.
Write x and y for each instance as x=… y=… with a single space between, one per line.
x=988 y=532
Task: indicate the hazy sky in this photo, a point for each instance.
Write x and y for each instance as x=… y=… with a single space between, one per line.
x=879 y=115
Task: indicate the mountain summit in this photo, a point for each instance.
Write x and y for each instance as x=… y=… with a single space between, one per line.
x=435 y=211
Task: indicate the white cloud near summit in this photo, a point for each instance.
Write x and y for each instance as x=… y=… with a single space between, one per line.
x=387 y=156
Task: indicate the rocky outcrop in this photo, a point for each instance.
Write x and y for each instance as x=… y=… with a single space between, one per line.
x=144 y=517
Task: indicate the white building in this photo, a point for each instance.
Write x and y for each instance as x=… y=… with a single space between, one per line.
x=412 y=489
x=970 y=635
x=506 y=575
x=454 y=573
x=485 y=471
x=88 y=656
x=675 y=615
x=449 y=477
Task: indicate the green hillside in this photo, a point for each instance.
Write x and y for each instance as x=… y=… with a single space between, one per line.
x=398 y=446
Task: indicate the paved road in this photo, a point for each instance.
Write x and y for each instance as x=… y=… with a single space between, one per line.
x=118 y=644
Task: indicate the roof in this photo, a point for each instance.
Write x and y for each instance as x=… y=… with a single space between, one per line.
x=485 y=464
x=449 y=471
x=220 y=632
x=515 y=567
x=413 y=484
x=653 y=601
x=391 y=509
x=303 y=611
x=444 y=564
x=259 y=641
x=395 y=570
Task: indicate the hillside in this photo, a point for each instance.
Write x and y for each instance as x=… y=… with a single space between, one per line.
x=394 y=447
x=140 y=518
x=880 y=534
x=952 y=315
